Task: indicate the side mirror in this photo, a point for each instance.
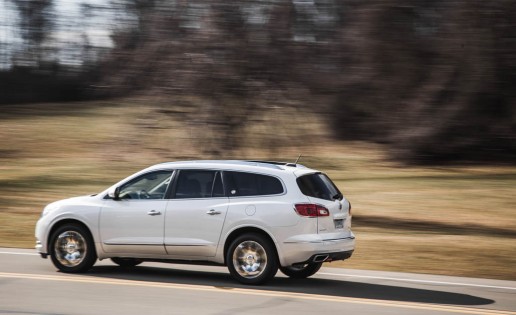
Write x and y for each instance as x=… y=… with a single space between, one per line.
x=114 y=193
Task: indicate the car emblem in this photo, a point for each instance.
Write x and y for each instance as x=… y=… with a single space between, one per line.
x=340 y=206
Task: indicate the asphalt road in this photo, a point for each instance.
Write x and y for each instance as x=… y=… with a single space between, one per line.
x=31 y=285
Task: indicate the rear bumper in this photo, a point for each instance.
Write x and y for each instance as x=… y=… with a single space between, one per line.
x=327 y=257
x=321 y=251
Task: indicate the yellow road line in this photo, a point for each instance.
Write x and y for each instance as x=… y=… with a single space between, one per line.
x=255 y=292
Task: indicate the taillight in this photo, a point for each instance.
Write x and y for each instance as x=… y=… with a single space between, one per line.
x=311 y=210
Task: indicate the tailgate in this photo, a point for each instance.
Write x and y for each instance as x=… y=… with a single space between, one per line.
x=338 y=220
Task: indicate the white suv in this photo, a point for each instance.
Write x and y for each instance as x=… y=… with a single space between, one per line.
x=251 y=216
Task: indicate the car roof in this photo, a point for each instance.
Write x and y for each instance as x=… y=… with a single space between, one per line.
x=272 y=167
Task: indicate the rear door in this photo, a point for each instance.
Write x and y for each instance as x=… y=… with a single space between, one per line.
x=195 y=215
x=321 y=190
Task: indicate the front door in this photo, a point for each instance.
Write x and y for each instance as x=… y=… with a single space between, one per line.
x=134 y=224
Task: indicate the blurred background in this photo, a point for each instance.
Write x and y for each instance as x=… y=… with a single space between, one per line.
x=408 y=106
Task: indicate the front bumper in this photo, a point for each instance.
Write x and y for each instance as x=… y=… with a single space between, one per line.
x=39 y=248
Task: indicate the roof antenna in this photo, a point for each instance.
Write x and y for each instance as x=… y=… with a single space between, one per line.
x=298 y=158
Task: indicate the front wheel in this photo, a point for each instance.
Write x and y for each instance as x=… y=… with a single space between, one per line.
x=72 y=249
x=252 y=259
x=301 y=272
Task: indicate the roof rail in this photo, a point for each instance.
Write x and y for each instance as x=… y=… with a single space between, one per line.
x=276 y=163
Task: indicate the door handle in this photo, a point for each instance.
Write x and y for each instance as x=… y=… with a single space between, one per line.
x=154 y=212
x=213 y=212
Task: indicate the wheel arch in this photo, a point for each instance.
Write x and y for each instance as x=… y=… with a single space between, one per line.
x=245 y=230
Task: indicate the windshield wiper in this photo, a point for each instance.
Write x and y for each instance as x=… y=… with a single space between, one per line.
x=337 y=196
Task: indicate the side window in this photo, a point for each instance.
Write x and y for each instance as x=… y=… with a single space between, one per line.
x=149 y=186
x=249 y=184
x=199 y=184
x=218 y=188
x=318 y=185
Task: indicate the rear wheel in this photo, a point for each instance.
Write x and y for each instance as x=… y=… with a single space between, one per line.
x=252 y=259
x=71 y=248
x=301 y=272
x=126 y=262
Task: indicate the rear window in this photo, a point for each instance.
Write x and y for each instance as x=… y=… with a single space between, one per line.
x=249 y=184
x=318 y=185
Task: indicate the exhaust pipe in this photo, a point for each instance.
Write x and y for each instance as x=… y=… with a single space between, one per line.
x=320 y=258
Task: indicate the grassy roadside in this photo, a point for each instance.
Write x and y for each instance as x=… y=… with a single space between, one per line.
x=447 y=220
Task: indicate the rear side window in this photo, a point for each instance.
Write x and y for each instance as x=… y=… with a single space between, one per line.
x=249 y=184
x=199 y=184
x=318 y=185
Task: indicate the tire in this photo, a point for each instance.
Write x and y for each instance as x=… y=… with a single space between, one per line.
x=72 y=249
x=126 y=262
x=252 y=259
x=302 y=272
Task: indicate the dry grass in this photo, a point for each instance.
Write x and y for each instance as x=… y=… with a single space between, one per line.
x=47 y=155
x=446 y=254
